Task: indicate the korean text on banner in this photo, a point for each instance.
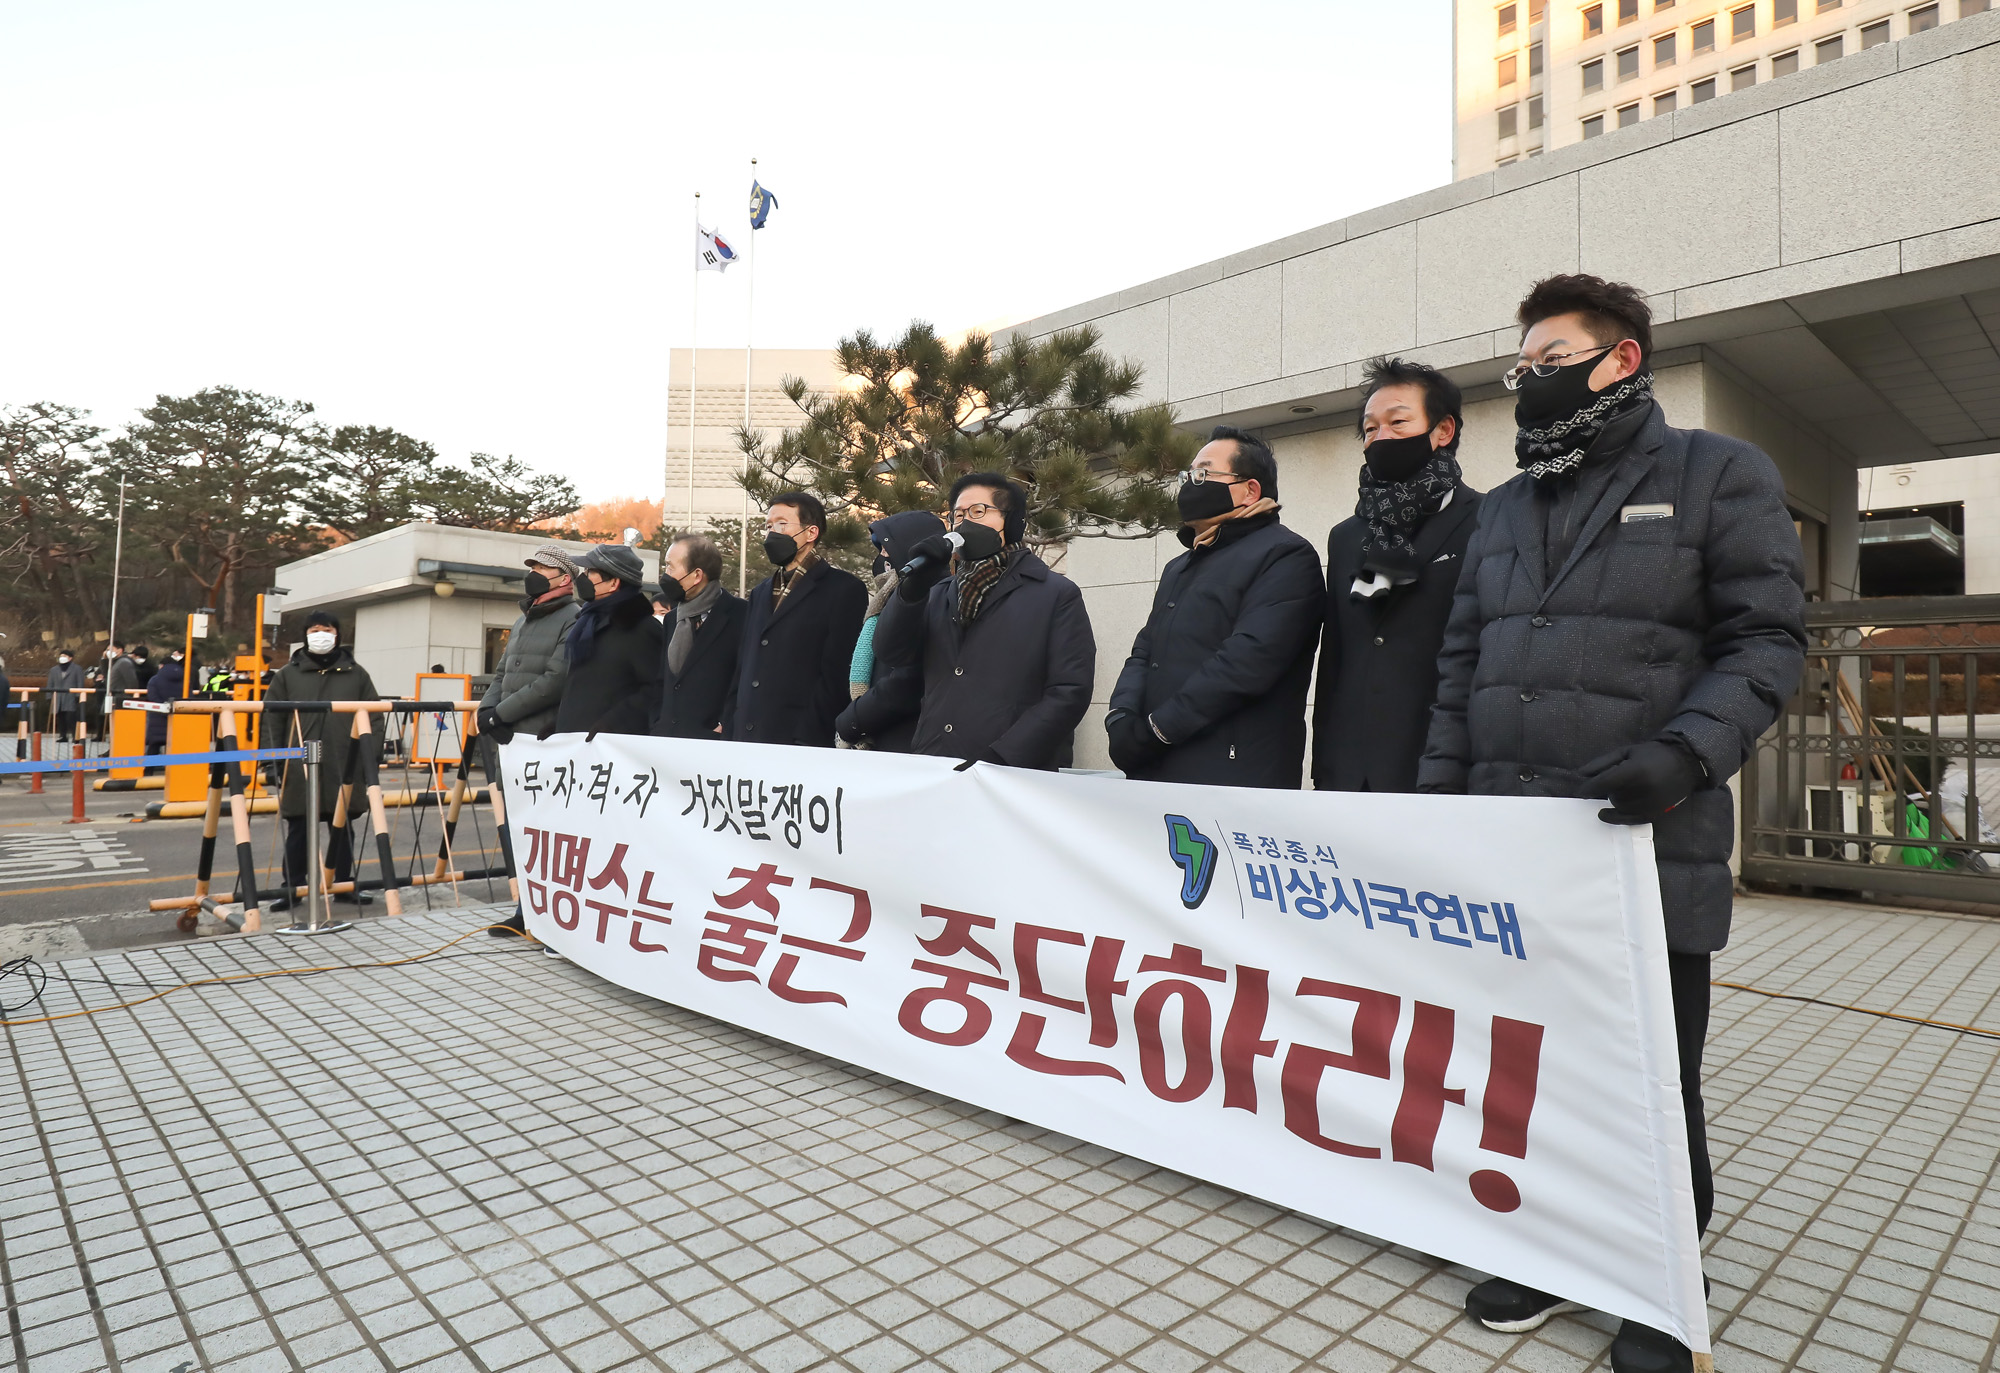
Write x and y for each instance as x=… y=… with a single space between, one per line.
x=1440 y=1020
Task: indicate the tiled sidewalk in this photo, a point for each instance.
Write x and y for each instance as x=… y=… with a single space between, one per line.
x=521 y=1167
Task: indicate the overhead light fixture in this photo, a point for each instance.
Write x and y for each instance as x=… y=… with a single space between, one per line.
x=1303 y=409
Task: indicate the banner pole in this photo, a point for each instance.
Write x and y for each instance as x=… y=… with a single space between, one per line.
x=749 y=325
x=694 y=343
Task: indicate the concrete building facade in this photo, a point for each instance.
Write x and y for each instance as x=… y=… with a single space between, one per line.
x=707 y=486
x=1532 y=76
x=1826 y=283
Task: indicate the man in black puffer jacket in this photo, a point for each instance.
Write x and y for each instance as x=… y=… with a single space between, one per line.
x=1628 y=622
x=612 y=654
x=1215 y=689
x=1003 y=643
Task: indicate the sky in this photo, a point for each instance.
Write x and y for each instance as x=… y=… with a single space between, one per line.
x=474 y=221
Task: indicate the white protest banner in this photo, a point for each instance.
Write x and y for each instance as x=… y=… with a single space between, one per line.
x=1441 y=1020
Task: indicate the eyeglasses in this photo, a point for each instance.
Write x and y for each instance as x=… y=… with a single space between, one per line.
x=1198 y=476
x=1548 y=365
x=975 y=513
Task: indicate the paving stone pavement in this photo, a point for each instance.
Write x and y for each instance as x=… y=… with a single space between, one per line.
x=520 y=1167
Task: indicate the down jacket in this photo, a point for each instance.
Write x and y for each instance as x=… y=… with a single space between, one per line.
x=1225 y=659
x=529 y=680
x=302 y=679
x=1679 y=611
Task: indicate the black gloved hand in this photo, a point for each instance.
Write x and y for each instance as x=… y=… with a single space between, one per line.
x=1133 y=743
x=1643 y=781
x=848 y=728
x=491 y=724
x=917 y=584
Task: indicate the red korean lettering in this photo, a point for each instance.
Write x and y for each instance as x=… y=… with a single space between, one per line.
x=1375 y=1016
x=1100 y=986
x=1196 y=1021
x=859 y=917
x=956 y=937
x=1243 y=1041
x=1425 y=1058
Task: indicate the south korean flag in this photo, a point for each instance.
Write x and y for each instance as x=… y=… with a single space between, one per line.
x=711 y=254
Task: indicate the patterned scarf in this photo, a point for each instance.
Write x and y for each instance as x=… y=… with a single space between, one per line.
x=1559 y=448
x=785 y=578
x=1394 y=511
x=976 y=579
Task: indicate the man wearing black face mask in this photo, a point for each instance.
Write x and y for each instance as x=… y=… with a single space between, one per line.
x=1629 y=621
x=1215 y=688
x=798 y=639
x=612 y=650
x=703 y=633
x=1390 y=570
x=1003 y=642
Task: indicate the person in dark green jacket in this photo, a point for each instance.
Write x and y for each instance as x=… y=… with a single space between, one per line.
x=324 y=670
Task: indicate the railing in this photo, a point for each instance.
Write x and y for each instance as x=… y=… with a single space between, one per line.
x=1871 y=778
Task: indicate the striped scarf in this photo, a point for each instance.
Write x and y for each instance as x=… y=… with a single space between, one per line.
x=976 y=579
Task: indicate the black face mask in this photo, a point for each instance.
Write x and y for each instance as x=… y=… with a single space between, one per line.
x=1398 y=460
x=780 y=549
x=1204 y=500
x=1544 y=400
x=671 y=591
x=537 y=586
x=981 y=542
x=586 y=590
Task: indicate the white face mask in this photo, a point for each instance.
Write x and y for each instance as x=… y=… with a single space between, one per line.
x=321 y=641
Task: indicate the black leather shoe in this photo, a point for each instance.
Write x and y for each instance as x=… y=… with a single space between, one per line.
x=1511 y=1308
x=354 y=898
x=283 y=903
x=511 y=927
x=1641 y=1349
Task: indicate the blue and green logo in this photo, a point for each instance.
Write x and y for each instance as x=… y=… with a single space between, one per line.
x=1194 y=854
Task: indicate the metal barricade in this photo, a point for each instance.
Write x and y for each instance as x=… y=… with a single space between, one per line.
x=1871 y=778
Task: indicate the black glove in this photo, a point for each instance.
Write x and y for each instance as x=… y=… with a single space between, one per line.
x=916 y=585
x=1133 y=743
x=1643 y=782
x=492 y=725
x=848 y=728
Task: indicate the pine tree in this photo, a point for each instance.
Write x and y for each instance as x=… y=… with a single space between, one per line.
x=1052 y=413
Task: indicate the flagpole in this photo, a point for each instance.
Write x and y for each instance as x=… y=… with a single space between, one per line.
x=694 y=341
x=749 y=322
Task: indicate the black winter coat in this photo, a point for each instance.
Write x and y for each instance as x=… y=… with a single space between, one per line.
x=1378 y=668
x=791 y=680
x=1013 y=683
x=617 y=689
x=165 y=685
x=1688 y=624
x=302 y=679
x=1225 y=659
x=693 y=704
x=887 y=711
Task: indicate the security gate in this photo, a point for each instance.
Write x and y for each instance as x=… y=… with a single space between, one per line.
x=1871 y=779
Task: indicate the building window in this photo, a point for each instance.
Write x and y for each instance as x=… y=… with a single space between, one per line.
x=1593 y=126
x=1536 y=8
x=1701 y=90
x=1663 y=50
x=1701 y=38
x=1593 y=75
x=1628 y=115
x=1628 y=10
x=1659 y=5
x=1508 y=119
x=1825 y=5
x=1664 y=103
x=1875 y=35
x=1534 y=60
x=1971 y=7
x=1593 y=21
x=1507 y=66
x=1743 y=23
x=1534 y=113
x=1924 y=19
x=1828 y=48
x=1628 y=62
x=1785 y=63
x=1784 y=12
x=1506 y=20
x=1743 y=78
x=1504 y=162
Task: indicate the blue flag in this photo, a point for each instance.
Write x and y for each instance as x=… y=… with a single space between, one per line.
x=762 y=202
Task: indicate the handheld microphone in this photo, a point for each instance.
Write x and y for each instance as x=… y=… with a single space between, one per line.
x=954 y=541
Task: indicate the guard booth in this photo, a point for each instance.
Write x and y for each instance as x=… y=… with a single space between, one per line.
x=1883 y=773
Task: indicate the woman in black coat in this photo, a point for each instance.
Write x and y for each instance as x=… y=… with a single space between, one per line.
x=613 y=649
x=1004 y=643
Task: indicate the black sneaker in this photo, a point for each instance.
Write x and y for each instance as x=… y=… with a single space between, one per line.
x=1641 y=1349
x=1511 y=1308
x=283 y=903
x=512 y=927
